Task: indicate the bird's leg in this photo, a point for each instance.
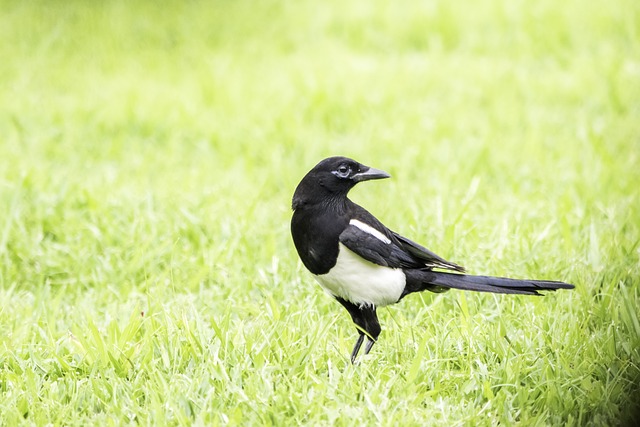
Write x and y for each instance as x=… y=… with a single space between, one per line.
x=367 y=347
x=366 y=320
x=356 y=348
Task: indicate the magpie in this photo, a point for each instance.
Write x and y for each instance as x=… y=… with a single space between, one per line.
x=363 y=264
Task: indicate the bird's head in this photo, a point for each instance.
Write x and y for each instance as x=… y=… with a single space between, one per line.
x=333 y=177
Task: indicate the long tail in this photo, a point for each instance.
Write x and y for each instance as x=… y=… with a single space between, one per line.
x=436 y=281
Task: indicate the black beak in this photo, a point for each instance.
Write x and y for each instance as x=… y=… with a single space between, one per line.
x=371 y=173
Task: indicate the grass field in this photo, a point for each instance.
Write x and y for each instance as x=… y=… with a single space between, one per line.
x=148 y=155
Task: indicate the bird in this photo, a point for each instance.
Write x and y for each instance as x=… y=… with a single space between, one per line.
x=363 y=264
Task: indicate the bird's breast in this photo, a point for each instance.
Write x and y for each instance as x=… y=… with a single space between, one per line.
x=316 y=234
x=362 y=282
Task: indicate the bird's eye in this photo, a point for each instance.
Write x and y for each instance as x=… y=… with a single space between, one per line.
x=343 y=171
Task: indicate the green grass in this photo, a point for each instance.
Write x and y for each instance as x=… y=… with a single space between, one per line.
x=148 y=154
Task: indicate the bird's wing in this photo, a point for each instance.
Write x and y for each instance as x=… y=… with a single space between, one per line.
x=376 y=243
x=429 y=258
x=377 y=248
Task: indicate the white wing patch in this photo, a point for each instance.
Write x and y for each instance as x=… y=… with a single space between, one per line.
x=370 y=230
x=361 y=282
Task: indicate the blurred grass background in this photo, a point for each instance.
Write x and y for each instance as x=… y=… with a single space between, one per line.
x=148 y=155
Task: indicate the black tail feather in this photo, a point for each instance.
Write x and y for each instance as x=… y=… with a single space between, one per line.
x=420 y=280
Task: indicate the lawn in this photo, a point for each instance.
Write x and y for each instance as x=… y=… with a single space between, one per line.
x=148 y=155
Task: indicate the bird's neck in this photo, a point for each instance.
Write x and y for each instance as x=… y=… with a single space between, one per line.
x=335 y=204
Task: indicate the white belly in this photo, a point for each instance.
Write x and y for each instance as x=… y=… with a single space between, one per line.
x=362 y=282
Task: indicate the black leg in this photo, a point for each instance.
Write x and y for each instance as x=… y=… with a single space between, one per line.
x=356 y=348
x=367 y=348
x=366 y=320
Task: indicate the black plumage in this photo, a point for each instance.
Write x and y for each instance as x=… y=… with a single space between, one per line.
x=362 y=263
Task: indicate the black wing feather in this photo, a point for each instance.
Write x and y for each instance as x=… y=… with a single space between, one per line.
x=367 y=246
x=398 y=252
x=429 y=258
x=375 y=250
